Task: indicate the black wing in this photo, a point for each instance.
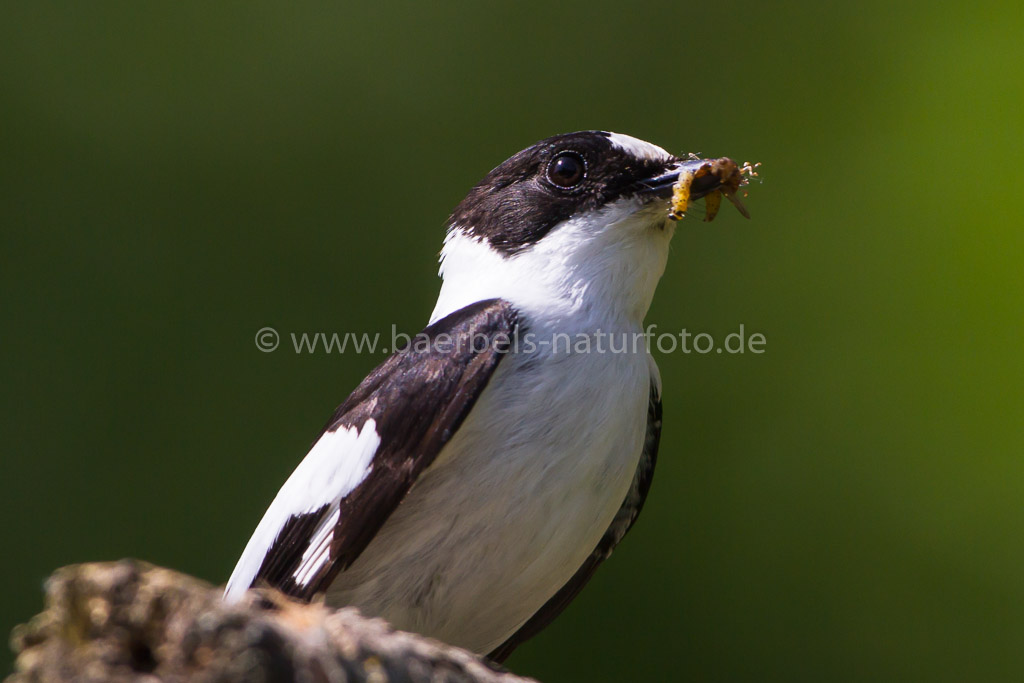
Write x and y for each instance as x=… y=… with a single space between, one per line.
x=624 y=519
x=417 y=399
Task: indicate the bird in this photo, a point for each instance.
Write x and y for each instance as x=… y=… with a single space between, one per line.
x=468 y=490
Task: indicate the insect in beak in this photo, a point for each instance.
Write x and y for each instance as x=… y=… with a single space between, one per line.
x=710 y=179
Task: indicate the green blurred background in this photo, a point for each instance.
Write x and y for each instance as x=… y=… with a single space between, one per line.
x=847 y=506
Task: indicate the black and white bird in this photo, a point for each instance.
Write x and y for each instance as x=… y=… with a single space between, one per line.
x=468 y=490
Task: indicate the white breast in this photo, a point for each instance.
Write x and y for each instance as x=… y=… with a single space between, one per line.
x=525 y=489
x=508 y=527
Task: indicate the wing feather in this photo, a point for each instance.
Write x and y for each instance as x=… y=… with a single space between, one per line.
x=372 y=450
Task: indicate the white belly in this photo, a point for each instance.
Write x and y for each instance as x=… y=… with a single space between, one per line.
x=485 y=537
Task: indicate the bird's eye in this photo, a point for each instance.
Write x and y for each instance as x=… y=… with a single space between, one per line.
x=566 y=169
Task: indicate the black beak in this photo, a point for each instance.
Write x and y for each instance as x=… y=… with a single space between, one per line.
x=692 y=179
x=661 y=185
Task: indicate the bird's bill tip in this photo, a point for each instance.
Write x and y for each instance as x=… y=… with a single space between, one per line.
x=694 y=178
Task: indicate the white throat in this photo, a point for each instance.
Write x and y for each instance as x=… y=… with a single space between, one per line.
x=597 y=270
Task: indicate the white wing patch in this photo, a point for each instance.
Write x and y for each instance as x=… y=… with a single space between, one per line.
x=637 y=147
x=318 y=551
x=336 y=465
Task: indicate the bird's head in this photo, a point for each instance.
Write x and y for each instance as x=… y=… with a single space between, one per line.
x=574 y=227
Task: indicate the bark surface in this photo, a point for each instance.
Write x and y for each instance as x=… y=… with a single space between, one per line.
x=131 y=621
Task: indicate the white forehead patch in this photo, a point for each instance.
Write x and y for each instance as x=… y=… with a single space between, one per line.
x=637 y=147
